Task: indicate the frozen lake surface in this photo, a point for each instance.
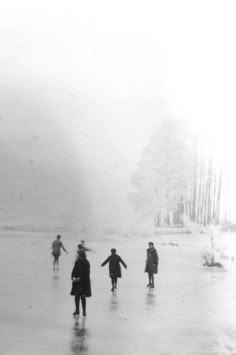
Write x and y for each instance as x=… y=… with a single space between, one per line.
x=191 y=310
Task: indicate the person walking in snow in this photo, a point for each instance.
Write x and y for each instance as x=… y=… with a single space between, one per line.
x=114 y=261
x=151 y=266
x=56 y=251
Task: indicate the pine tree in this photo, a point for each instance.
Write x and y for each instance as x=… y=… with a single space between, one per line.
x=163 y=178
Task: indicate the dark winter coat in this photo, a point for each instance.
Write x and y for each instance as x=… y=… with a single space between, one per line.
x=82 y=287
x=152 y=261
x=114 y=265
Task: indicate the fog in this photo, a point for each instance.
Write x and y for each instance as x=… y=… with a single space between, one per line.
x=84 y=89
x=83 y=86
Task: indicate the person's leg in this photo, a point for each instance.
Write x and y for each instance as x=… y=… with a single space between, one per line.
x=57 y=261
x=77 y=300
x=149 y=280
x=75 y=307
x=54 y=261
x=115 y=282
x=112 y=283
x=152 y=281
x=83 y=300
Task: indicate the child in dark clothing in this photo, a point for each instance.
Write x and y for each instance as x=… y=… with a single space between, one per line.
x=114 y=267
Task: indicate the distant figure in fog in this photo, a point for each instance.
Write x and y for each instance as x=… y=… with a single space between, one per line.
x=151 y=266
x=56 y=251
x=81 y=286
x=82 y=246
x=79 y=248
x=114 y=267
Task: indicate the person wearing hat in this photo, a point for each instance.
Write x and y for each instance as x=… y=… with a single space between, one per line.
x=81 y=286
x=114 y=261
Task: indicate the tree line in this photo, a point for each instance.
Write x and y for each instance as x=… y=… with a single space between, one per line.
x=175 y=178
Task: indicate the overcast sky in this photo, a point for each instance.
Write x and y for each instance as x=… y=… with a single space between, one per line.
x=104 y=73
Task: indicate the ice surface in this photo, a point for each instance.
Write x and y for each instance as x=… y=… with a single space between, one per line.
x=191 y=310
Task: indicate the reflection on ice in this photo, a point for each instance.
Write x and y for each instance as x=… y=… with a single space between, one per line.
x=150 y=298
x=79 y=338
x=114 y=302
x=55 y=277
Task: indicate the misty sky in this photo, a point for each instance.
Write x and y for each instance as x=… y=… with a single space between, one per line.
x=92 y=79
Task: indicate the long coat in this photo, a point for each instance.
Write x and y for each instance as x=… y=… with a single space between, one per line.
x=82 y=287
x=151 y=265
x=114 y=265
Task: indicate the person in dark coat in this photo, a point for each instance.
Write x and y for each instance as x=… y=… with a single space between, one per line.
x=114 y=267
x=81 y=286
x=151 y=266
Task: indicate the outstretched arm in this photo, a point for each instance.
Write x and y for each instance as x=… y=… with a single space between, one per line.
x=106 y=261
x=123 y=263
x=64 y=248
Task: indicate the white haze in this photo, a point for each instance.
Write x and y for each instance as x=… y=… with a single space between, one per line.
x=93 y=79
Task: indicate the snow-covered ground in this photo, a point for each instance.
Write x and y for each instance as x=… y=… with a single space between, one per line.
x=191 y=310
